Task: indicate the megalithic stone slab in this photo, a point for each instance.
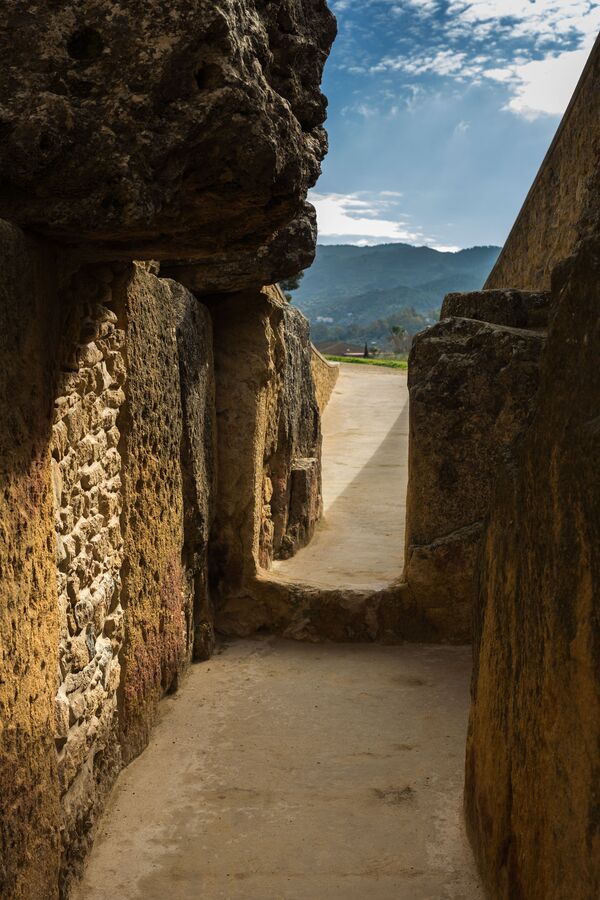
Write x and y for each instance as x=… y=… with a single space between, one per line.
x=471 y=389
x=516 y=309
x=182 y=130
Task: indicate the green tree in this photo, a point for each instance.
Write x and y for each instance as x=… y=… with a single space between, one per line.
x=291 y=284
x=398 y=338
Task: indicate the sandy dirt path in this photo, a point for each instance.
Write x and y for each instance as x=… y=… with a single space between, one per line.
x=360 y=540
x=285 y=771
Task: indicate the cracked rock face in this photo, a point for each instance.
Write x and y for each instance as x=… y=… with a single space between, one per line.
x=184 y=130
x=472 y=385
x=536 y=677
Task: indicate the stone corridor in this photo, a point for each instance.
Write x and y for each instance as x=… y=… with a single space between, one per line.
x=178 y=718
x=288 y=770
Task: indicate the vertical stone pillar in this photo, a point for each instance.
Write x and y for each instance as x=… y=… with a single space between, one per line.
x=269 y=445
x=167 y=446
x=30 y=813
x=472 y=379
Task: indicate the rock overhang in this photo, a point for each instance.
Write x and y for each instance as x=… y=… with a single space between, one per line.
x=183 y=131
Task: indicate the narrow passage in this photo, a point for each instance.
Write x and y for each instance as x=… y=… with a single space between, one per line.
x=360 y=540
x=285 y=771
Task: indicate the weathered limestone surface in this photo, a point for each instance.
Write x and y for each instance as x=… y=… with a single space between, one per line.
x=546 y=228
x=107 y=467
x=29 y=798
x=269 y=489
x=325 y=375
x=187 y=130
x=198 y=455
x=86 y=476
x=293 y=464
x=163 y=570
x=289 y=250
x=533 y=755
x=300 y=612
x=471 y=387
x=516 y=309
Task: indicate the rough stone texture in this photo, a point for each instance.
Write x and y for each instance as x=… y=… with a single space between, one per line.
x=107 y=465
x=292 y=465
x=269 y=489
x=546 y=228
x=190 y=130
x=325 y=375
x=29 y=799
x=516 y=309
x=86 y=477
x=187 y=132
x=198 y=455
x=533 y=755
x=164 y=580
x=304 y=612
x=471 y=387
x=290 y=250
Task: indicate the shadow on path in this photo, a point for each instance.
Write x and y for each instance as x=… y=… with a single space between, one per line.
x=360 y=540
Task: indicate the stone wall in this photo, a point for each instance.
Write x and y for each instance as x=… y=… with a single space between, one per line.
x=533 y=754
x=190 y=135
x=546 y=229
x=292 y=465
x=163 y=569
x=86 y=466
x=325 y=376
x=269 y=491
x=30 y=811
x=471 y=386
x=108 y=472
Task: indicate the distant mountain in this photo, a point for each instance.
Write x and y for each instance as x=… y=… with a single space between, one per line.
x=358 y=285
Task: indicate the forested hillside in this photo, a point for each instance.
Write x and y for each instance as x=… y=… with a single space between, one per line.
x=356 y=286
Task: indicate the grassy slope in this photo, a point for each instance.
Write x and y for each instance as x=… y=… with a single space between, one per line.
x=360 y=360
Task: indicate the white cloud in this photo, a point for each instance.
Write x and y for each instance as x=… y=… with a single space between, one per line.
x=444 y=62
x=461 y=128
x=542 y=87
x=424 y=7
x=477 y=41
x=363 y=219
x=530 y=18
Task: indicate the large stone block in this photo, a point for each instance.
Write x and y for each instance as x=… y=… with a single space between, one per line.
x=294 y=464
x=198 y=455
x=516 y=309
x=87 y=469
x=168 y=467
x=471 y=387
x=30 y=813
x=269 y=448
x=186 y=130
x=533 y=754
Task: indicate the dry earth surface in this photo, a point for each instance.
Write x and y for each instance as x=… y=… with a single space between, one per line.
x=360 y=540
x=285 y=770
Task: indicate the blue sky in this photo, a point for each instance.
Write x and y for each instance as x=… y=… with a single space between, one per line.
x=440 y=112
